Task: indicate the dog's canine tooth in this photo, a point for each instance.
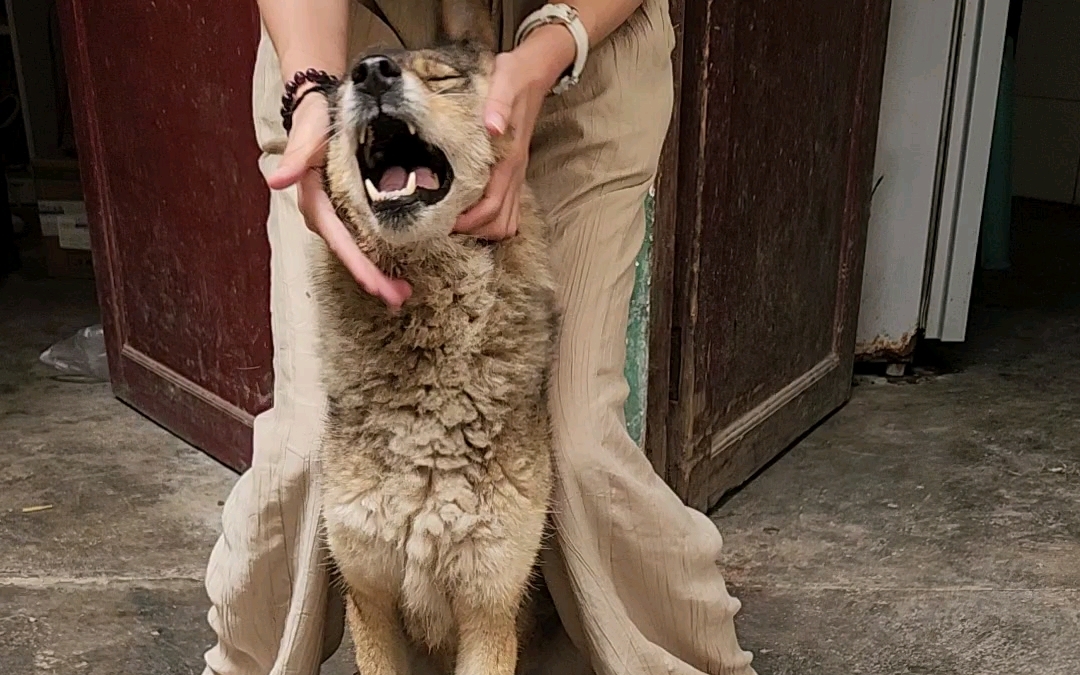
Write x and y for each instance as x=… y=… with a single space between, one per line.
x=372 y=191
x=410 y=187
x=363 y=135
x=412 y=129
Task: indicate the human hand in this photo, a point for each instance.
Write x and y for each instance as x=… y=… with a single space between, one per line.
x=521 y=80
x=300 y=166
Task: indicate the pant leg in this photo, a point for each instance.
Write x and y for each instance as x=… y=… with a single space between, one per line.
x=267 y=577
x=634 y=572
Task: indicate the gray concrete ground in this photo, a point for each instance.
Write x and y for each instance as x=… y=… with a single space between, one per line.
x=107 y=579
x=931 y=526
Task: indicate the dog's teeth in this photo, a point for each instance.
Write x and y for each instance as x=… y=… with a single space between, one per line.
x=372 y=191
x=363 y=135
x=378 y=195
x=412 y=129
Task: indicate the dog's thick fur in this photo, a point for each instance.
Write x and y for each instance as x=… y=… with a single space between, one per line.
x=436 y=462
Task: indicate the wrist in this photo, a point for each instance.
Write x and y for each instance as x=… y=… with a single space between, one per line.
x=589 y=20
x=551 y=49
x=294 y=62
x=302 y=86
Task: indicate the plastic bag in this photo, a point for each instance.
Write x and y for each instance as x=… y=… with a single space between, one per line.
x=80 y=356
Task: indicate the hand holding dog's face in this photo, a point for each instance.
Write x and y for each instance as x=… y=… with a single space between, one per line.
x=304 y=156
x=519 y=84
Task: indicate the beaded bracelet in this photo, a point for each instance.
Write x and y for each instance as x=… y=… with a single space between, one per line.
x=324 y=84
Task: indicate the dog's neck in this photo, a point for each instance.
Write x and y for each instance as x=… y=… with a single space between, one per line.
x=456 y=269
x=425 y=255
x=457 y=264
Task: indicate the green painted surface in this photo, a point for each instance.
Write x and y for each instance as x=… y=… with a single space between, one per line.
x=637 y=332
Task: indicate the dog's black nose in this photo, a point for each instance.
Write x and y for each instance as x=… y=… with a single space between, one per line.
x=376 y=74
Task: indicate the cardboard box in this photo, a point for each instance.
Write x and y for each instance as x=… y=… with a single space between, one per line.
x=52 y=211
x=67 y=263
x=66 y=238
x=21 y=191
x=57 y=181
x=64 y=190
x=74 y=233
x=62 y=215
x=29 y=215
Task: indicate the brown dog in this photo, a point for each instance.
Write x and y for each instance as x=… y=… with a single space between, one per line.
x=436 y=464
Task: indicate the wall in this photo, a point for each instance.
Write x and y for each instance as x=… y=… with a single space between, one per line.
x=1046 y=129
x=36 y=40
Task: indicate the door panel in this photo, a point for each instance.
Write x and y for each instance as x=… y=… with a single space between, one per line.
x=162 y=100
x=777 y=117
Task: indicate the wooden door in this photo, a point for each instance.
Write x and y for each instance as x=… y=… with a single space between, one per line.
x=763 y=202
x=161 y=94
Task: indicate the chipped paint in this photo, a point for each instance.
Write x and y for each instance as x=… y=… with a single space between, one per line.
x=636 y=369
x=884 y=348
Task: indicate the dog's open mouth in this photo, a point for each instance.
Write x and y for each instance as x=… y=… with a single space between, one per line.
x=398 y=167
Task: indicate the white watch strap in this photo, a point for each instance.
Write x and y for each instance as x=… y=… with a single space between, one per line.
x=566 y=15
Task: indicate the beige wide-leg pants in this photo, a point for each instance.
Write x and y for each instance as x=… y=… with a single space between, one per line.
x=633 y=572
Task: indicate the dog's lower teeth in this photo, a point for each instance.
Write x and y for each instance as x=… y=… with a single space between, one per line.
x=378 y=195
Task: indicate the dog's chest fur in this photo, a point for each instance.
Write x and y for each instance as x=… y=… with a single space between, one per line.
x=437 y=437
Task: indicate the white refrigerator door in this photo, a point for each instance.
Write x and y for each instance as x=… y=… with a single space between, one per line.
x=918 y=73
x=972 y=102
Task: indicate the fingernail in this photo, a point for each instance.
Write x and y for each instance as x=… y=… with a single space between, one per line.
x=495 y=122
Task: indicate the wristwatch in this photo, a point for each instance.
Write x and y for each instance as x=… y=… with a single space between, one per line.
x=566 y=15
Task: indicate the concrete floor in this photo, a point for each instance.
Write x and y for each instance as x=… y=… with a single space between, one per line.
x=931 y=526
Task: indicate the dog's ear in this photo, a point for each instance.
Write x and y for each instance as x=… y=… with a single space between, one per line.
x=468 y=21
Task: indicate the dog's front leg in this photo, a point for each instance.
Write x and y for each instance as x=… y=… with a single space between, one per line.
x=381 y=648
x=488 y=641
